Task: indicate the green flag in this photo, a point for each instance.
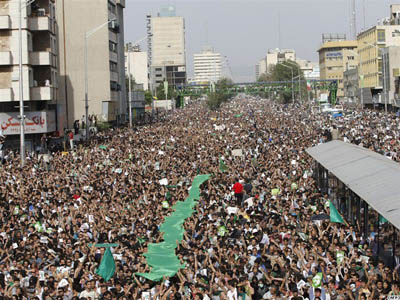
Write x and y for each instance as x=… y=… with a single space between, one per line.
x=222 y=166
x=107 y=266
x=317 y=280
x=382 y=220
x=334 y=214
x=238 y=115
x=339 y=256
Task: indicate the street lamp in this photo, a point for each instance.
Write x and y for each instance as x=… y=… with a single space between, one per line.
x=361 y=77
x=291 y=69
x=299 y=72
x=87 y=35
x=21 y=84
x=384 y=71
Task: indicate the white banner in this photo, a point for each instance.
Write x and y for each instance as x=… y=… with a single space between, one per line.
x=35 y=122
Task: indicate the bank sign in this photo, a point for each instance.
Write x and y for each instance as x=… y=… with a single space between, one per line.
x=334 y=54
x=35 y=122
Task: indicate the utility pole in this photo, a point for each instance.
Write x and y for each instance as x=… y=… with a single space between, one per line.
x=21 y=91
x=128 y=50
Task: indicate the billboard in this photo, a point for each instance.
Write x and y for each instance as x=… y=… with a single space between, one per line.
x=35 y=122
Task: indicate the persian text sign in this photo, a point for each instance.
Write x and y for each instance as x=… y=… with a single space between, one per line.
x=35 y=122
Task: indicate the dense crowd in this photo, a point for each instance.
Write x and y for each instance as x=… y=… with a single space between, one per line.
x=256 y=242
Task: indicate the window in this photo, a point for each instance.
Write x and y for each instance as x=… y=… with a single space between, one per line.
x=381 y=35
x=350 y=57
x=112 y=46
x=113 y=66
x=158 y=69
x=111 y=7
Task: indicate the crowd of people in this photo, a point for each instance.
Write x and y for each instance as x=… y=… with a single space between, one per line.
x=257 y=241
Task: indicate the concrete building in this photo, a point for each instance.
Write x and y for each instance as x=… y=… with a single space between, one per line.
x=207 y=66
x=310 y=69
x=385 y=34
x=277 y=56
x=138 y=66
x=39 y=69
x=351 y=85
x=106 y=59
x=391 y=57
x=166 y=48
x=261 y=68
x=335 y=57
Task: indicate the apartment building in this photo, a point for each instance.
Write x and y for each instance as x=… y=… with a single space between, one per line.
x=103 y=20
x=207 y=66
x=261 y=68
x=39 y=69
x=136 y=64
x=335 y=57
x=385 y=34
x=166 y=48
x=277 y=56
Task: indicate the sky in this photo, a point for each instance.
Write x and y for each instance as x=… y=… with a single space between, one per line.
x=244 y=30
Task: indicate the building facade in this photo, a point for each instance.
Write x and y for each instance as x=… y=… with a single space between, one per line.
x=335 y=57
x=278 y=56
x=207 y=66
x=39 y=69
x=136 y=63
x=391 y=58
x=166 y=48
x=309 y=69
x=106 y=59
x=350 y=85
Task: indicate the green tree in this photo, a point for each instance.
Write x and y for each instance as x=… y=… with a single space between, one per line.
x=264 y=77
x=160 y=93
x=215 y=100
x=282 y=72
x=148 y=97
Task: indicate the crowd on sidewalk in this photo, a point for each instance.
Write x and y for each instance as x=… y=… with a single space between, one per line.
x=253 y=241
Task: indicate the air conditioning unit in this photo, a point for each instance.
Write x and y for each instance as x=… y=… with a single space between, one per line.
x=41 y=12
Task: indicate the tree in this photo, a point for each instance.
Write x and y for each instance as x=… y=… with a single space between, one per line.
x=264 y=77
x=160 y=93
x=148 y=97
x=223 y=84
x=216 y=99
x=282 y=72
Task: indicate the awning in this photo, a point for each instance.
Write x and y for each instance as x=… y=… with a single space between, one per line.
x=373 y=177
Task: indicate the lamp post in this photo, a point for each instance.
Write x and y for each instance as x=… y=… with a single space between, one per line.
x=21 y=83
x=291 y=69
x=299 y=72
x=87 y=35
x=361 y=77
x=128 y=51
x=384 y=71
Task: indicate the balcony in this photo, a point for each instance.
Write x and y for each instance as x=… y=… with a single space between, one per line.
x=113 y=56
x=6 y=95
x=5 y=22
x=40 y=24
x=121 y=2
x=114 y=76
x=5 y=58
x=42 y=58
x=44 y=93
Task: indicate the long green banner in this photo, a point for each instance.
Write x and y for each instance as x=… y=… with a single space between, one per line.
x=161 y=257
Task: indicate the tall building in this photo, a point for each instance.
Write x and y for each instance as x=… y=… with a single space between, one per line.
x=39 y=69
x=385 y=34
x=106 y=59
x=335 y=57
x=166 y=48
x=261 y=68
x=207 y=66
x=277 y=56
x=136 y=63
x=310 y=69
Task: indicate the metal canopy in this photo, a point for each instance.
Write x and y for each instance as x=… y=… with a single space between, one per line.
x=373 y=177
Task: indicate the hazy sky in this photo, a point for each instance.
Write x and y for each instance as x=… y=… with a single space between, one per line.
x=243 y=30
